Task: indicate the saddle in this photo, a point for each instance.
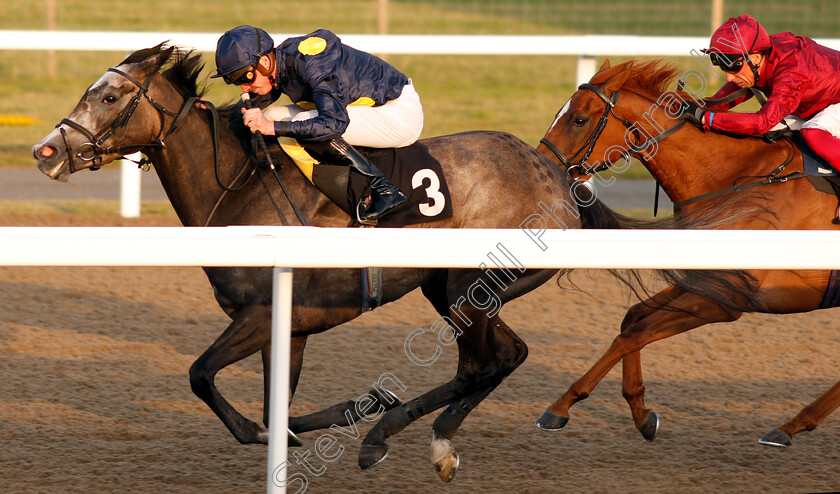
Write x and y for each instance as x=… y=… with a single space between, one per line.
x=816 y=169
x=412 y=169
x=823 y=177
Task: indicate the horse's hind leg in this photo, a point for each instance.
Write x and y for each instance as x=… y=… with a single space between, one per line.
x=806 y=420
x=247 y=334
x=488 y=352
x=444 y=457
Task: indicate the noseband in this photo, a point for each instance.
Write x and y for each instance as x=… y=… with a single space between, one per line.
x=589 y=145
x=93 y=151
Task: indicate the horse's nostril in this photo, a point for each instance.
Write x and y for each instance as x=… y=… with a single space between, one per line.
x=46 y=151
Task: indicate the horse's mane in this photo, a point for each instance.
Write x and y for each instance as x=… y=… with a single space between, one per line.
x=182 y=69
x=650 y=78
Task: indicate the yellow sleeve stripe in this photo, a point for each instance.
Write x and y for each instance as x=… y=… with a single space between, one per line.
x=312 y=45
x=363 y=101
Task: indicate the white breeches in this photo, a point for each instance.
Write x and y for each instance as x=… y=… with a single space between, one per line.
x=828 y=120
x=395 y=124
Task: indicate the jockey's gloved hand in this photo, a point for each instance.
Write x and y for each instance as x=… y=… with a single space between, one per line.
x=694 y=114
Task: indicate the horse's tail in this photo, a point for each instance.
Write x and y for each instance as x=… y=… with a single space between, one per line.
x=733 y=290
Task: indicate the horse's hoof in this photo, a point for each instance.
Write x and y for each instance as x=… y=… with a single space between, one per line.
x=372 y=454
x=294 y=441
x=444 y=457
x=650 y=427
x=550 y=422
x=776 y=438
x=447 y=466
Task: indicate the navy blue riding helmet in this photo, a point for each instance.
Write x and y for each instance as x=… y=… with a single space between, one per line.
x=240 y=49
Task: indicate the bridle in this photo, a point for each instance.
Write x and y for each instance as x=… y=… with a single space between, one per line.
x=93 y=151
x=589 y=145
x=769 y=179
x=96 y=151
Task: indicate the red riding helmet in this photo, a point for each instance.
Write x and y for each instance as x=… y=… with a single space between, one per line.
x=739 y=35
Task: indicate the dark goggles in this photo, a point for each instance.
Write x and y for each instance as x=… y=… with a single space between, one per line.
x=727 y=63
x=243 y=76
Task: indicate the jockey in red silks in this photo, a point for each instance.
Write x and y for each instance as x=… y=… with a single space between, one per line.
x=798 y=76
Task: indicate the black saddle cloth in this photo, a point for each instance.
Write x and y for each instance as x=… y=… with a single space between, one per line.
x=417 y=174
x=817 y=168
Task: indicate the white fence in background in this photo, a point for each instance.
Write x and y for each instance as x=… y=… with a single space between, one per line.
x=309 y=247
x=585 y=47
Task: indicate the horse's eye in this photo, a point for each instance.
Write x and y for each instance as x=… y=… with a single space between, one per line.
x=579 y=121
x=109 y=100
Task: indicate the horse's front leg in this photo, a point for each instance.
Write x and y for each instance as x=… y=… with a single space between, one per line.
x=377 y=400
x=248 y=333
x=632 y=383
x=298 y=344
x=633 y=390
x=374 y=402
x=687 y=312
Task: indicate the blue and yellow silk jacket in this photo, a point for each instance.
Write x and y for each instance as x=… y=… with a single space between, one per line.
x=317 y=71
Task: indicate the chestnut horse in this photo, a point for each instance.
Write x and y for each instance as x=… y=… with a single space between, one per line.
x=627 y=110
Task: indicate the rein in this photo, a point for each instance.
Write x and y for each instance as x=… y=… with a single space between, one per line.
x=771 y=178
x=93 y=151
x=759 y=96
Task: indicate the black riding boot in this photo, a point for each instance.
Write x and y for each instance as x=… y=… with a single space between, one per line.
x=385 y=197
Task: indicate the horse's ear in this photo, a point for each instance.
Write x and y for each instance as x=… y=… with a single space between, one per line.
x=149 y=60
x=147 y=66
x=605 y=65
x=612 y=78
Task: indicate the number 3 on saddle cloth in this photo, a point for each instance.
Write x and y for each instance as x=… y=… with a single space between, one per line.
x=412 y=169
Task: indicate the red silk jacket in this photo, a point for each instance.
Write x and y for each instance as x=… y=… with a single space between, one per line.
x=799 y=77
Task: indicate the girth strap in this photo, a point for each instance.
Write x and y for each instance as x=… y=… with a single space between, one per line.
x=371 y=288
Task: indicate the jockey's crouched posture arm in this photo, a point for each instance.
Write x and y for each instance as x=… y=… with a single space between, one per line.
x=798 y=76
x=343 y=96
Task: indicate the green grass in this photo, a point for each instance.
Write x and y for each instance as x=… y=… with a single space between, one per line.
x=816 y=18
x=514 y=94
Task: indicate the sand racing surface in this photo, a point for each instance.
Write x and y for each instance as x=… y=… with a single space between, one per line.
x=95 y=394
